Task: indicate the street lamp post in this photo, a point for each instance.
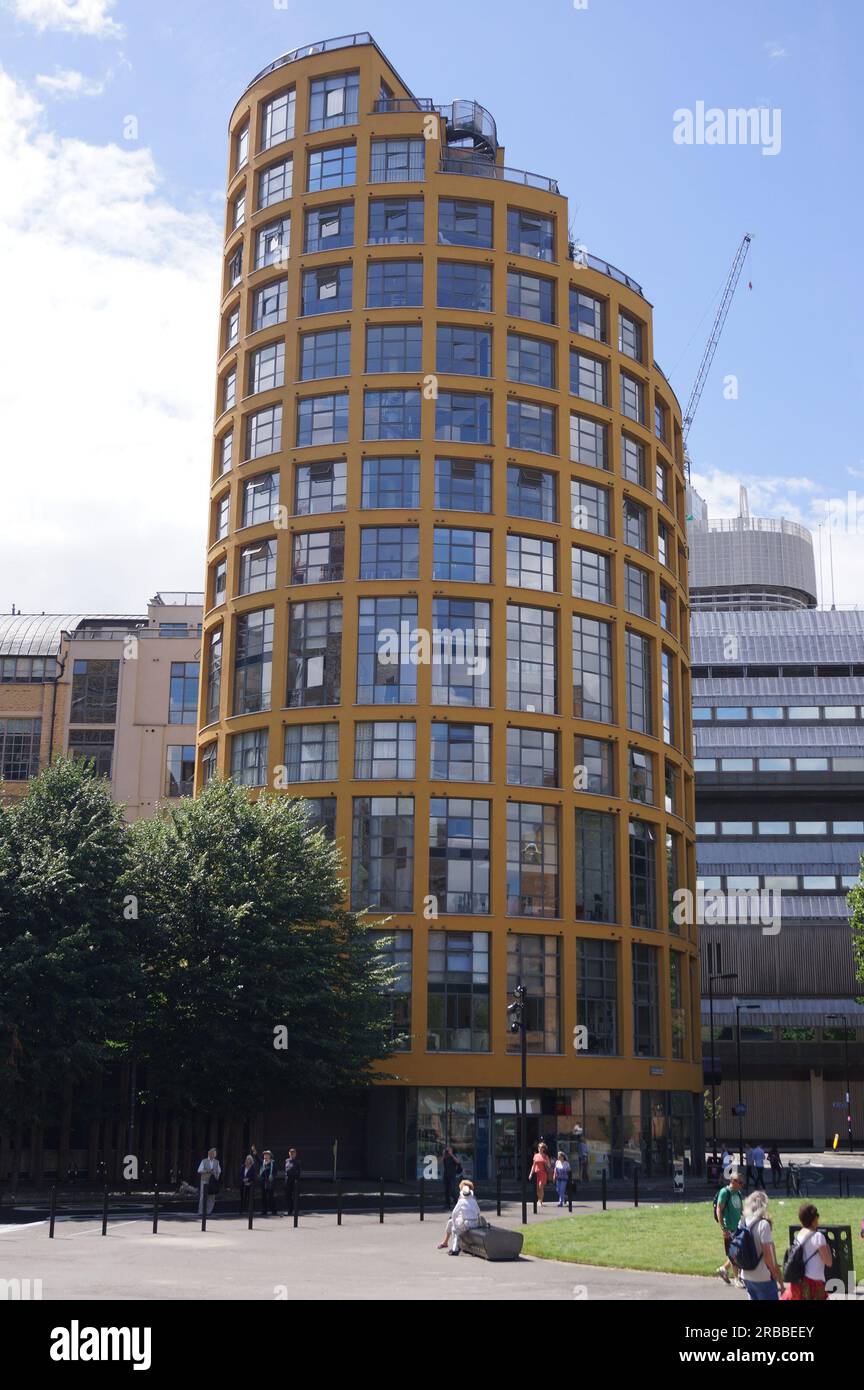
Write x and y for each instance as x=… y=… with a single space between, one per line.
x=738 y=1008
x=711 y=979
x=843 y=1019
x=519 y=1024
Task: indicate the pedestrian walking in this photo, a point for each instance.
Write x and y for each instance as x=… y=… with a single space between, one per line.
x=806 y=1260
x=451 y=1171
x=758 y=1158
x=248 y=1175
x=763 y=1279
x=209 y=1177
x=267 y=1179
x=749 y=1176
x=728 y=1209
x=776 y=1163
x=465 y=1217
x=562 y=1177
x=726 y=1160
x=292 y=1177
x=583 y=1155
x=541 y=1171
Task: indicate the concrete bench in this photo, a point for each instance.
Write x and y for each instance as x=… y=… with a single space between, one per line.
x=492 y=1243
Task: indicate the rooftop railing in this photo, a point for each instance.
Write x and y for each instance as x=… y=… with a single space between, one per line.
x=777 y=525
x=181 y=598
x=325 y=46
x=606 y=268
x=485 y=169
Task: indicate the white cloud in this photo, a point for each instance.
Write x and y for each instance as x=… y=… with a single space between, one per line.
x=66 y=83
x=775 y=50
x=70 y=16
x=836 y=520
x=107 y=400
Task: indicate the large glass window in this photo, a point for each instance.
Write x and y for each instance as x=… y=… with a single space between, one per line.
x=532 y=758
x=465 y=351
x=275 y=183
x=632 y=460
x=632 y=398
x=395 y=952
x=532 y=676
x=532 y=860
x=667 y=674
x=329 y=228
x=391 y=415
x=592 y=669
x=587 y=315
x=677 y=1006
x=530 y=360
x=179 y=769
x=459 y=854
x=249 y=758
x=460 y=652
x=641 y=776
x=323 y=354
x=532 y=493
x=393 y=221
x=253 y=661
x=597 y=995
x=389 y=552
x=588 y=377
x=463 y=417
x=531 y=426
x=592 y=575
x=333 y=101
x=394 y=347
x=382 y=859
x=386 y=674
x=314 y=653
x=530 y=297
x=390 y=482
x=214 y=675
x=398 y=161
x=635 y=525
x=394 y=284
x=311 y=752
x=534 y=961
x=318 y=557
x=458 y=992
x=20 y=740
x=270 y=305
x=640 y=710
x=273 y=243
x=94 y=691
x=463 y=485
x=595 y=866
x=463 y=555
x=460 y=752
x=257 y=567
x=630 y=336
x=264 y=432
x=530 y=234
x=322 y=419
x=321 y=487
x=643 y=875
x=464 y=285
x=277 y=118
x=594 y=766
x=183 y=697
x=385 y=750
x=646 y=1001
x=267 y=368
x=588 y=442
x=637 y=590
x=531 y=563
x=463 y=223
x=94 y=746
x=327 y=289
x=335 y=167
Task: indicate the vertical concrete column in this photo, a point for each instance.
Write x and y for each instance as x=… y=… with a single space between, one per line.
x=817 y=1108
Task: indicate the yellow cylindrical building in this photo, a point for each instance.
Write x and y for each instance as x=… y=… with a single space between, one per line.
x=447 y=600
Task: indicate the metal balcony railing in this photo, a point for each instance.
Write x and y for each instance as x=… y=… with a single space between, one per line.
x=396 y=104
x=453 y=163
x=325 y=46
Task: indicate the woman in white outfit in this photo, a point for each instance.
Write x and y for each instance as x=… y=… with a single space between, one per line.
x=465 y=1217
x=207 y=1168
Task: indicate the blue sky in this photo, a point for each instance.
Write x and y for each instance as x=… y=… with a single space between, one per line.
x=586 y=95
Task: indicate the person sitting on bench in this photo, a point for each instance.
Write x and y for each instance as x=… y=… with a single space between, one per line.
x=466 y=1217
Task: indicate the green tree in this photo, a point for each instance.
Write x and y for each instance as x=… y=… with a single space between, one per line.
x=856 y=921
x=246 y=945
x=67 y=971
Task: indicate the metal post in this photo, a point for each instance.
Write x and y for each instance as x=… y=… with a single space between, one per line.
x=204 y=1211
x=155 y=1208
x=53 y=1213
x=338 y=1204
x=251 y=1203
x=105 y=1212
x=713 y=1068
x=738 y=1056
x=498 y=1192
x=296 y=1203
x=570 y=1194
x=381 y=1203
x=422 y=1199
x=603 y=1187
x=635 y=1187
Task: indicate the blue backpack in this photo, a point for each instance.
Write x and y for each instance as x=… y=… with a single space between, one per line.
x=742 y=1249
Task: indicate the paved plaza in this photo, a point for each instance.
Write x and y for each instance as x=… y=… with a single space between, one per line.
x=319 y=1260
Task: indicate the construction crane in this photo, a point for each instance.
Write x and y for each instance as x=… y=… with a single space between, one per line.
x=717 y=329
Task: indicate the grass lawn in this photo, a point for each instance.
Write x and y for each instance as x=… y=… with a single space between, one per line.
x=678 y=1239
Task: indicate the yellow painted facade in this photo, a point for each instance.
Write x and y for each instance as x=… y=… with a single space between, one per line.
x=504 y=190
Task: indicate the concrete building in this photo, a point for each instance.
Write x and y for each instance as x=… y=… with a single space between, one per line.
x=447 y=595
x=778 y=722
x=747 y=561
x=121 y=690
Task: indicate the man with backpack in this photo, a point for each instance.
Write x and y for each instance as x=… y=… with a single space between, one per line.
x=728 y=1208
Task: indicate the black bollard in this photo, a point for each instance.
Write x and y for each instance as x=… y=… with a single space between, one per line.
x=498 y=1192
x=603 y=1184
x=53 y=1213
x=251 y=1203
x=296 y=1203
x=204 y=1211
x=105 y=1212
x=535 y=1199
x=635 y=1187
x=155 y=1208
x=338 y=1204
x=570 y=1195
x=422 y=1199
x=381 y=1205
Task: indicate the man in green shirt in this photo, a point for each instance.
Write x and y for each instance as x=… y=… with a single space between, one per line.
x=729 y=1205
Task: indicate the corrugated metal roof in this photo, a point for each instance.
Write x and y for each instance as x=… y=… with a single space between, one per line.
x=777 y=636
x=38 y=634
x=779 y=690
x=775 y=857
x=774 y=1011
x=803 y=739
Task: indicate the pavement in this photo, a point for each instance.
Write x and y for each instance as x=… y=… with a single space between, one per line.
x=361 y=1260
